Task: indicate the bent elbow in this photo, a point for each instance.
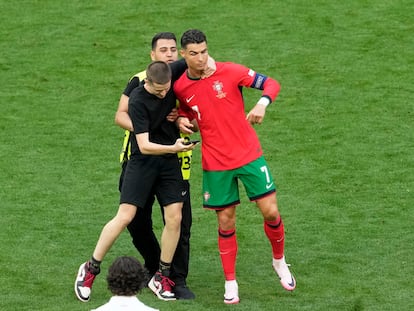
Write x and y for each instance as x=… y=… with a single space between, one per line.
x=117 y=119
x=144 y=150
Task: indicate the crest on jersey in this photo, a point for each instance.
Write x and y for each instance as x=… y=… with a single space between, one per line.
x=218 y=87
x=206 y=196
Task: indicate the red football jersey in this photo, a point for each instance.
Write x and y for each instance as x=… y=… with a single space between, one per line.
x=228 y=139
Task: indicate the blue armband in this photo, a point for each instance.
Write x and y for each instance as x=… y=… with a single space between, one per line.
x=259 y=80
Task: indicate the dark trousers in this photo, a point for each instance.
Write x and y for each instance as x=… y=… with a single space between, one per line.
x=145 y=241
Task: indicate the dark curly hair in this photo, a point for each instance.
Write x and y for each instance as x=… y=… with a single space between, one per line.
x=126 y=276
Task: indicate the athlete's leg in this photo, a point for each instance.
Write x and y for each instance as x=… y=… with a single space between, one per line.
x=273 y=225
x=179 y=268
x=160 y=283
x=171 y=232
x=88 y=270
x=144 y=238
x=260 y=187
x=113 y=229
x=221 y=192
x=180 y=263
x=227 y=241
x=274 y=229
x=141 y=231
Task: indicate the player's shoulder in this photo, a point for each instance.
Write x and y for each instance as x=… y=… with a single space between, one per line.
x=134 y=82
x=139 y=75
x=137 y=94
x=226 y=64
x=231 y=66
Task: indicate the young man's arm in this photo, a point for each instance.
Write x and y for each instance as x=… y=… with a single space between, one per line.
x=121 y=116
x=177 y=68
x=150 y=148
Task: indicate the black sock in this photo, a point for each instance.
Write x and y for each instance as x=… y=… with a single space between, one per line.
x=164 y=268
x=94 y=266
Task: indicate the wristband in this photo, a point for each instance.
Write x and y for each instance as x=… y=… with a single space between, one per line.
x=264 y=101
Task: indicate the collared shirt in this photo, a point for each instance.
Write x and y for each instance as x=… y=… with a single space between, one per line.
x=124 y=303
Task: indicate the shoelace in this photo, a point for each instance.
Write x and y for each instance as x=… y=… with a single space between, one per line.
x=89 y=277
x=166 y=283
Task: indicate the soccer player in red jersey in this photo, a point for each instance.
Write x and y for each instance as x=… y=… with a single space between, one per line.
x=231 y=151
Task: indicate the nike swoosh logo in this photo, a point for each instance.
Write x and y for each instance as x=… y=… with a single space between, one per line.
x=224 y=253
x=269 y=185
x=183 y=193
x=189 y=99
x=292 y=282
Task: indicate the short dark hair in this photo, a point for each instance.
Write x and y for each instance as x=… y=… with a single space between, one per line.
x=126 y=276
x=159 y=72
x=192 y=36
x=162 y=35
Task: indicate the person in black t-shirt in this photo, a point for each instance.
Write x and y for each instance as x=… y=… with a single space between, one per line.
x=153 y=168
x=163 y=48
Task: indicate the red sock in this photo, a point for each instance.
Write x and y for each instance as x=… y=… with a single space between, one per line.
x=275 y=232
x=227 y=243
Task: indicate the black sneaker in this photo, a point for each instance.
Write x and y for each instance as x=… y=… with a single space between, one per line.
x=181 y=291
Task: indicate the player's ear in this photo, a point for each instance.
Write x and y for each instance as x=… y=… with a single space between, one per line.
x=182 y=52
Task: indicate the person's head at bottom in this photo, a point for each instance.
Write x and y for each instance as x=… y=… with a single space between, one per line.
x=126 y=276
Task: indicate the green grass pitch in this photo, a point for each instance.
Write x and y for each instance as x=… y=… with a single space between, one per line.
x=339 y=140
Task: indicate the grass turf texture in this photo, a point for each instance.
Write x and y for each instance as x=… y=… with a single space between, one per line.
x=339 y=141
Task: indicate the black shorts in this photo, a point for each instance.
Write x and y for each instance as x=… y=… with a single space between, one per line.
x=146 y=175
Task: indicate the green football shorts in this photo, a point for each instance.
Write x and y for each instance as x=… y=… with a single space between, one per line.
x=221 y=188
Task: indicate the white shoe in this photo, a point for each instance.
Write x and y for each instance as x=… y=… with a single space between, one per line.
x=286 y=278
x=231 y=295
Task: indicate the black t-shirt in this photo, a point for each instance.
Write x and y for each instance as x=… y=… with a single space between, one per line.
x=149 y=114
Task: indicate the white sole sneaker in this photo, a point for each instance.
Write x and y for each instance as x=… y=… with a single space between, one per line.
x=231 y=295
x=285 y=276
x=156 y=288
x=83 y=293
x=231 y=301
